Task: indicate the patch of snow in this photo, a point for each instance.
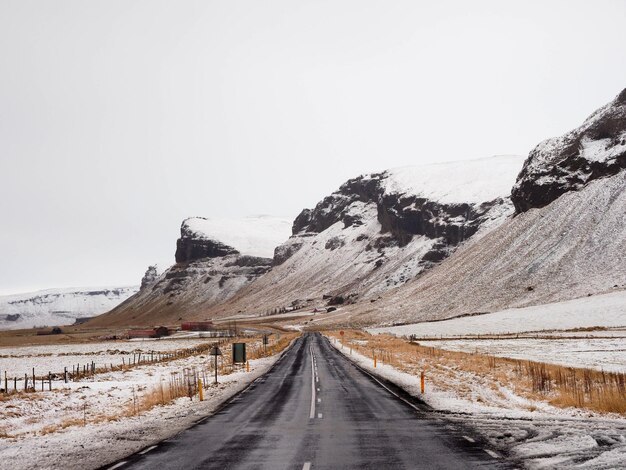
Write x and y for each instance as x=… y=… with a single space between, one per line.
x=254 y=236
x=469 y=181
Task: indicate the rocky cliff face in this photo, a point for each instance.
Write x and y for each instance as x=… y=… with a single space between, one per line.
x=193 y=245
x=401 y=215
x=596 y=149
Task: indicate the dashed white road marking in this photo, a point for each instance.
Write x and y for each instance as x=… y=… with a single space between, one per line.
x=117 y=465
x=312 y=413
x=306 y=466
x=492 y=453
x=319 y=400
x=318 y=389
x=469 y=439
x=145 y=451
x=319 y=415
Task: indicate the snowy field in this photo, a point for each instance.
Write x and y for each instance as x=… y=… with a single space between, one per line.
x=603 y=311
x=92 y=422
x=587 y=332
x=17 y=361
x=607 y=354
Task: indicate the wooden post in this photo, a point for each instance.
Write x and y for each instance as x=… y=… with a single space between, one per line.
x=49 y=381
x=25 y=382
x=65 y=375
x=200 y=395
x=374 y=360
x=247 y=366
x=34 y=385
x=422 y=381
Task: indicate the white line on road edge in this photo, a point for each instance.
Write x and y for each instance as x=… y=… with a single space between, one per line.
x=312 y=413
x=117 y=465
x=492 y=453
x=145 y=451
x=306 y=466
x=469 y=439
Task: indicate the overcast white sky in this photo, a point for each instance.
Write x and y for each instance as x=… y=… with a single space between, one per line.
x=120 y=118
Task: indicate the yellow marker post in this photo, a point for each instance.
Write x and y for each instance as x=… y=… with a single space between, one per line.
x=247 y=366
x=200 y=390
x=422 y=381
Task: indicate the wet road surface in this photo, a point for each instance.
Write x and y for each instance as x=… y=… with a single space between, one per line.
x=317 y=410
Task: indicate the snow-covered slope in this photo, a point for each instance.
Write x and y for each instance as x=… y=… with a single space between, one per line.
x=463 y=182
x=380 y=230
x=570 y=248
x=59 y=306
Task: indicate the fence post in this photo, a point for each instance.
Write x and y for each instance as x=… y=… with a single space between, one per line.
x=65 y=375
x=422 y=381
x=49 y=381
x=200 y=395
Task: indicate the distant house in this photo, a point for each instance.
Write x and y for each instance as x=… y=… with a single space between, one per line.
x=149 y=333
x=197 y=326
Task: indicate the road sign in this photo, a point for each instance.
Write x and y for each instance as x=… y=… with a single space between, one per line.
x=215 y=351
x=239 y=353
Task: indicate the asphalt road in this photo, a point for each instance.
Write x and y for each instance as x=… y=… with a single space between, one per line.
x=316 y=410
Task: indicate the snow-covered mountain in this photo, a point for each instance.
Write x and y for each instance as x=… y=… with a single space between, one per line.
x=53 y=307
x=215 y=258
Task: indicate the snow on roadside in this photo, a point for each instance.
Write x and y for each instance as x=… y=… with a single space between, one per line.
x=94 y=445
x=606 y=354
x=530 y=431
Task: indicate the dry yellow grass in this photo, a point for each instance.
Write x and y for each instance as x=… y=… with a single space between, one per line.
x=558 y=385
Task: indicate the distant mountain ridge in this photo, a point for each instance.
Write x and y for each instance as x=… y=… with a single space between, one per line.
x=52 y=307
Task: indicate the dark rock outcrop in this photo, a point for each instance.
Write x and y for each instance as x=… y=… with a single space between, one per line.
x=150 y=277
x=597 y=149
x=191 y=249
x=401 y=216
